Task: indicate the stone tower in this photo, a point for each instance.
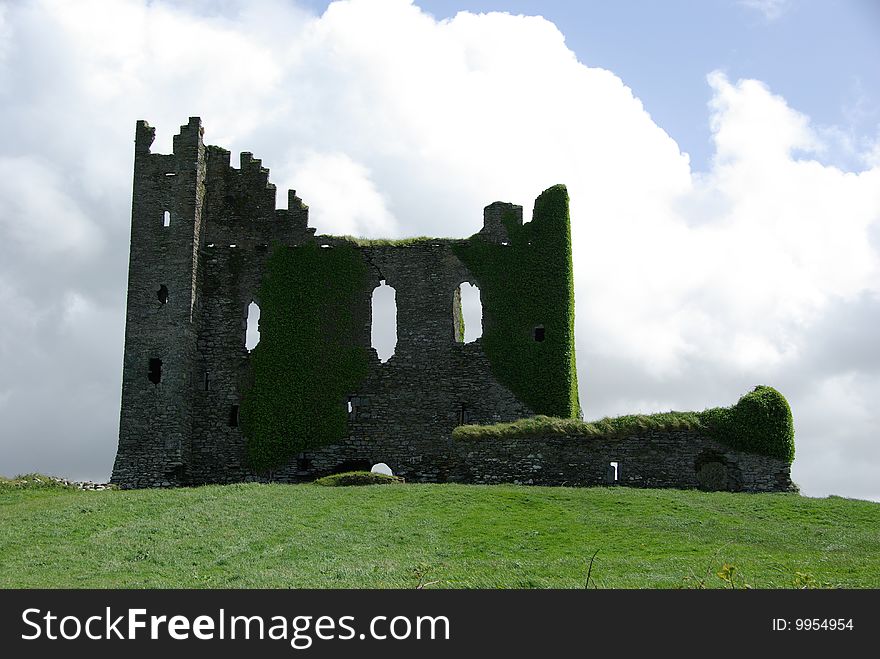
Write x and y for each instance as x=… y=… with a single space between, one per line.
x=160 y=330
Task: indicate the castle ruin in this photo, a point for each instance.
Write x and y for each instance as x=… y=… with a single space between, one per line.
x=313 y=397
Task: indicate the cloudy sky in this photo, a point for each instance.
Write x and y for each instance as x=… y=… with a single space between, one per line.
x=722 y=157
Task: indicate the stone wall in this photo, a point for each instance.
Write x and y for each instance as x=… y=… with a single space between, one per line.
x=671 y=458
x=191 y=282
x=211 y=261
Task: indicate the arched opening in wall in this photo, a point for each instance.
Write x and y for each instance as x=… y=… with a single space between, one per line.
x=252 y=335
x=352 y=465
x=166 y=219
x=715 y=473
x=383 y=333
x=467 y=313
x=162 y=294
x=539 y=334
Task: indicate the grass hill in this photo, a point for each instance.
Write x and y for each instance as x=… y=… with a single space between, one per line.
x=454 y=536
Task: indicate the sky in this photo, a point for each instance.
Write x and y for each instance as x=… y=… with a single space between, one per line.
x=722 y=158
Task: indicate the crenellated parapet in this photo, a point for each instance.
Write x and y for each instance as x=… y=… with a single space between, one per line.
x=241 y=204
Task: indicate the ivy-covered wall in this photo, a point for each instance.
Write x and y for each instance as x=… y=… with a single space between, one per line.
x=528 y=284
x=307 y=360
x=759 y=423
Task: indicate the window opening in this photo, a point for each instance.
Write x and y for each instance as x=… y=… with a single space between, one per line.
x=252 y=334
x=469 y=324
x=155 y=372
x=383 y=333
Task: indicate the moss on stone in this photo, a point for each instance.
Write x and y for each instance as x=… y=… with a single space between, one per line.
x=542 y=426
x=760 y=422
x=391 y=242
x=307 y=360
x=527 y=284
x=357 y=478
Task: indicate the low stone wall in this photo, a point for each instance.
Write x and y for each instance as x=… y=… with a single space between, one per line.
x=677 y=459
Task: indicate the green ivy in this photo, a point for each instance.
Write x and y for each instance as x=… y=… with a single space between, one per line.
x=458 y=314
x=307 y=360
x=526 y=284
x=760 y=422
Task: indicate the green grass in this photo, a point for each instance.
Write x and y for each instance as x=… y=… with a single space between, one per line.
x=32 y=482
x=454 y=536
x=350 y=478
x=392 y=242
x=620 y=426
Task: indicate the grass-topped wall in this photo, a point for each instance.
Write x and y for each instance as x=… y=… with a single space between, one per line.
x=528 y=285
x=307 y=360
x=760 y=422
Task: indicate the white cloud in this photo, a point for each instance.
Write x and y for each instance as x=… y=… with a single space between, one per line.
x=37 y=214
x=342 y=197
x=696 y=286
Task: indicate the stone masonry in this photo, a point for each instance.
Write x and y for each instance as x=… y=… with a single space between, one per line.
x=673 y=458
x=201 y=232
x=200 y=239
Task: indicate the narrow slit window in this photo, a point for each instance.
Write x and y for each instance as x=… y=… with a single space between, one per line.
x=463 y=416
x=207 y=381
x=233 y=416
x=539 y=333
x=166 y=219
x=155 y=372
x=162 y=294
x=252 y=334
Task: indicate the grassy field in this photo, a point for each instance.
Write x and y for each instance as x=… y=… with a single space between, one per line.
x=439 y=536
